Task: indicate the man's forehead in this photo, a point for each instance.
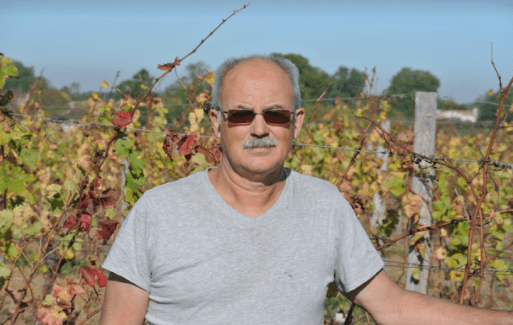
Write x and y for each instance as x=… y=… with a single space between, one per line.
x=255 y=66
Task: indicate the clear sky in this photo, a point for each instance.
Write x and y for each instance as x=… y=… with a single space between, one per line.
x=88 y=41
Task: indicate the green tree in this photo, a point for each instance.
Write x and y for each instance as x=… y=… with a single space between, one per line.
x=136 y=86
x=73 y=90
x=407 y=82
x=312 y=80
x=489 y=104
x=450 y=105
x=175 y=96
x=346 y=83
x=25 y=79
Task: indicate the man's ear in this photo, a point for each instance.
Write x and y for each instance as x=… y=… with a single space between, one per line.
x=300 y=116
x=213 y=118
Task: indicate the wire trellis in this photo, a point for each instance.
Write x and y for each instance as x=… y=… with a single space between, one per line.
x=71 y=122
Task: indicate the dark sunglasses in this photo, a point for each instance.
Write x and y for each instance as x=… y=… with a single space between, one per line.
x=279 y=117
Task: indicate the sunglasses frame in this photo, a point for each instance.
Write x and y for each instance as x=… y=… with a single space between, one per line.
x=292 y=113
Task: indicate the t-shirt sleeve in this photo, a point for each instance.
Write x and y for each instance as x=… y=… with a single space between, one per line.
x=131 y=255
x=356 y=258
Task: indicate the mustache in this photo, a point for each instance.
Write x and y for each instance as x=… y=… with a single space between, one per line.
x=259 y=142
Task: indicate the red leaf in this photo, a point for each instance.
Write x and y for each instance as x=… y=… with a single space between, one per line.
x=85 y=222
x=51 y=315
x=109 y=198
x=107 y=228
x=96 y=182
x=70 y=223
x=165 y=67
x=177 y=62
x=83 y=202
x=188 y=144
x=122 y=120
x=102 y=279
x=88 y=274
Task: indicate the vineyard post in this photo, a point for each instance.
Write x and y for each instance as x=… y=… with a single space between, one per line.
x=380 y=209
x=422 y=183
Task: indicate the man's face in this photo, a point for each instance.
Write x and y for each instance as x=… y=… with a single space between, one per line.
x=257 y=85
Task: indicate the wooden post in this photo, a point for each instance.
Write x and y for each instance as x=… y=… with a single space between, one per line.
x=423 y=143
x=380 y=208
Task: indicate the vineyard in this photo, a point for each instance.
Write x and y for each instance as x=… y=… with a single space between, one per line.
x=65 y=192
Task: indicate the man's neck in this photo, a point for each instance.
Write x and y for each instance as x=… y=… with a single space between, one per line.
x=251 y=197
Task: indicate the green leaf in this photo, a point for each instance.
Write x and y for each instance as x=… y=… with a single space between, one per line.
x=415 y=273
x=396 y=185
x=122 y=145
x=35 y=228
x=69 y=185
x=4 y=274
x=6 y=218
x=136 y=163
x=29 y=158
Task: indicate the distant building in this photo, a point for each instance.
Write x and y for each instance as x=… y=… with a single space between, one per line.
x=463 y=116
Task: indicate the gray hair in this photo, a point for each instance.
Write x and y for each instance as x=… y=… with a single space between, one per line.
x=287 y=65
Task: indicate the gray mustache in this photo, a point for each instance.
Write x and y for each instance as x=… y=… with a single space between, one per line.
x=259 y=142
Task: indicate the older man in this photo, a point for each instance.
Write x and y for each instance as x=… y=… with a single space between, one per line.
x=252 y=242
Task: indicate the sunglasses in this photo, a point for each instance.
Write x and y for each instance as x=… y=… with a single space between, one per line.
x=280 y=117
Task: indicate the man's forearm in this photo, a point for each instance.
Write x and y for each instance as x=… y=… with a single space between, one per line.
x=420 y=309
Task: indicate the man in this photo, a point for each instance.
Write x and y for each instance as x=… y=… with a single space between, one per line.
x=251 y=242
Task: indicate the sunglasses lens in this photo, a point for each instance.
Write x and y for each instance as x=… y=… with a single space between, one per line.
x=277 y=117
x=240 y=116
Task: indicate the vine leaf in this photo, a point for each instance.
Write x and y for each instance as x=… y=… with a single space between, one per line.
x=107 y=228
x=51 y=315
x=122 y=120
x=91 y=274
x=85 y=222
x=70 y=223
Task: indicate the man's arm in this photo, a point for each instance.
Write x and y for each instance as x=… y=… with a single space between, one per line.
x=390 y=304
x=123 y=303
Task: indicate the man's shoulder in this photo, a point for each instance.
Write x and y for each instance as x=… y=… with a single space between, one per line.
x=314 y=186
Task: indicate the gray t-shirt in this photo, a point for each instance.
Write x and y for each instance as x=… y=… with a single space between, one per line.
x=203 y=262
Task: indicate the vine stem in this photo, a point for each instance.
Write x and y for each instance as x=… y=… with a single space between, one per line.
x=484 y=193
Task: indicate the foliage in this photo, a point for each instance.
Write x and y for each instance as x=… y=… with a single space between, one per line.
x=135 y=86
x=25 y=79
x=54 y=97
x=313 y=81
x=489 y=103
x=408 y=81
x=64 y=195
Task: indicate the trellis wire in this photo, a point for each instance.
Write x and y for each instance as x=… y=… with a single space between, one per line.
x=495 y=163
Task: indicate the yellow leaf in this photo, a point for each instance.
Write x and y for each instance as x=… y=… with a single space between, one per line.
x=416 y=237
x=413 y=206
x=105 y=84
x=209 y=78
x=441 y=253
x=69 y=254
x=490 y=93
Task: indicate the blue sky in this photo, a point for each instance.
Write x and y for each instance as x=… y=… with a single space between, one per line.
x=88 y=41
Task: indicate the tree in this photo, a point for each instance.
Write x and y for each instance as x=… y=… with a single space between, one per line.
x=312 y=80
x=25 y=79
x=407 y=82
x=346 y=83
x=489 y=104
x=73 y=91
x=176 y=93
x=136 y=86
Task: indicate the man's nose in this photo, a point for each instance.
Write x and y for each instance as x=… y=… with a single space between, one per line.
x=259 y=127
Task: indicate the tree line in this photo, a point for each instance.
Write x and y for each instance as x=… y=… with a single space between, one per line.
x=345 y=83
